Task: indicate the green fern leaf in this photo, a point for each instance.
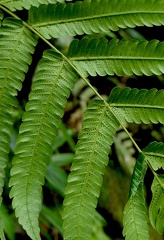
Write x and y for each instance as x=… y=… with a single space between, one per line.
x=156 y=209
x=85 y=179
x=98 y=56
x=138 y=106
x=138 y=174
x=94 y=16
x=54 y=81
x=20 y=4
x=16 y=46
x=154 y=154
x=135 y=220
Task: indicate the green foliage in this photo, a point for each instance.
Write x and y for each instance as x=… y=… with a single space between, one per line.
x=20 y=4
x=53 y=82
x=15 y=39
x=94 y=16
x=154 y=154
x=98 y=56
x=156 y=209
x=135 y=209
x=138 y=106
x=36 y=137
x=6 y=223
x=87 y=169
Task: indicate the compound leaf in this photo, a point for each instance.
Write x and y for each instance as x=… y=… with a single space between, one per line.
x=135 y=220
x=124 y=57
x=138 y=106
x=94 y=16
x=54 y=81
x=85 y=179
x=20 y=4
x=16 y=46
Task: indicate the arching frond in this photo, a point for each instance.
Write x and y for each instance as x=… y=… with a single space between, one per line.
x=135 y=220
x=54 y=81
x=16 y=46
x=20 y=4
x=94 y=16
x=98 y=56
x=85 y=180
x=138 y=106
x=154 y=154
x=156 y=209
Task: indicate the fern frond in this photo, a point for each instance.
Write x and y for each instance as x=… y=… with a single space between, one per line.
x=138 y=106
x=138 y=174
x=125 y=57
x=20 y=4
x=154 y=154
x=135 y=219
x=16 y=46
x=54 y=81
x=95 y=16
x=156 y=209
x=85 y=179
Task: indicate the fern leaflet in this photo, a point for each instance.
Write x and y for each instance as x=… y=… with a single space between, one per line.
x=20 y=4
x=138 y=106
x=16 y=46
x=154 y=154
x=94 y=16
x=85 y=179
x=135 y=218
x=98 y=56
x=54 y=81
x=156 y=209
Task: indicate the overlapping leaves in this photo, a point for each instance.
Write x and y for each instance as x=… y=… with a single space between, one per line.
x=156 y=209
x=154 y=154
x=54 y=81
x=135 y=209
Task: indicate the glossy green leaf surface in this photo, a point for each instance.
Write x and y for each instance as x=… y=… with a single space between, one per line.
x=135 y=210
x=85 y=179
x=154 y=154
x=126 y=57
x=95 y=16
x=53 y=82
x=14 y=39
